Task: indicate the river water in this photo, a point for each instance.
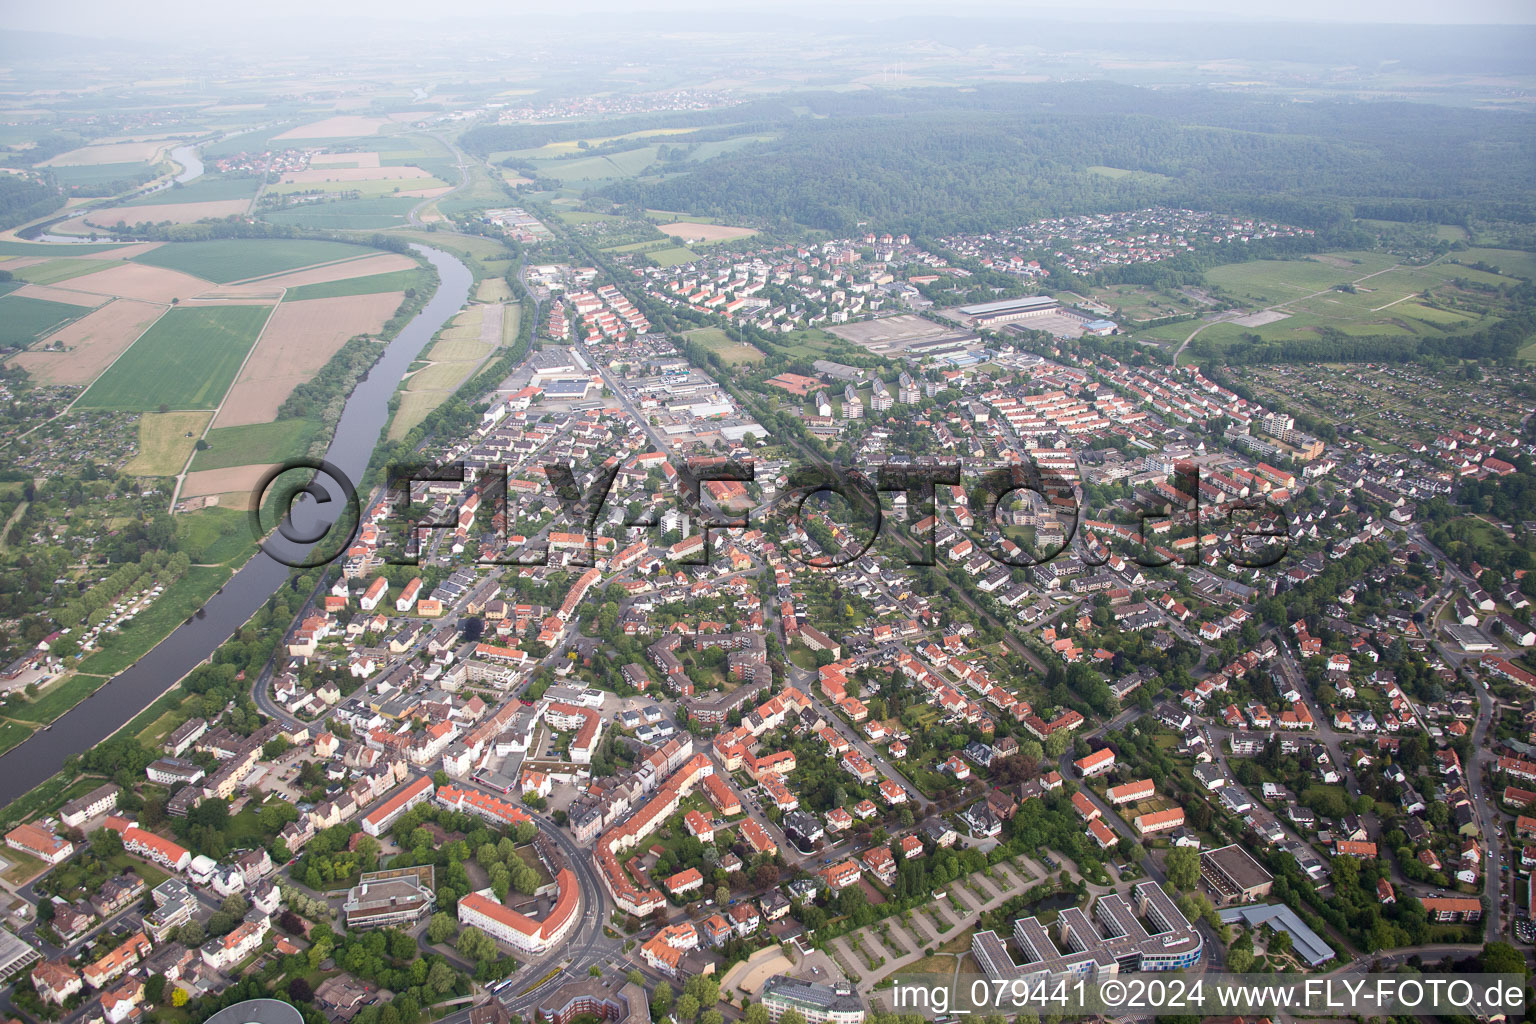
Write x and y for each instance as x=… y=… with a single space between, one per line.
x=133 y=690
x=191 y=163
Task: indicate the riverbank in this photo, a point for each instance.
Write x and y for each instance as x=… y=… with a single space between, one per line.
x=125 y=695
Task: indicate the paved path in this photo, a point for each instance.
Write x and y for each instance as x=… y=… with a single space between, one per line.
x=910 y=939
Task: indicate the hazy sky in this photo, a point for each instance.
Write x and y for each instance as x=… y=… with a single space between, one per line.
x=136 y=20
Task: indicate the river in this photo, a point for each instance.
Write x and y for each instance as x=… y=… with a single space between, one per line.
x=131 y=691
x=191 y=163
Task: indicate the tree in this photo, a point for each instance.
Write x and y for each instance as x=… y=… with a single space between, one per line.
x=661 y=1000
x=1502 y=958
x=1280 y=943
x=154 y=988
x=441 y=927
x=634 y=977
x=179 y=997
x=792 y=1017
x=300 y=992
x=757 y=1013
x=687 y=1008
x=440 y=978
x=1183 y=867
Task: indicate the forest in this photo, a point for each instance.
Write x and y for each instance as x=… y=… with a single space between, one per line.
x=931 y=161
x=22 y=200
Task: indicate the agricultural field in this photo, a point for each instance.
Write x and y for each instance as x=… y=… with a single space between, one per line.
x=187 y=360
x=238 y=260
x=80 y=351
x=166 y=440
x=298 y=340
x=23 y=320
x=262 y=443
x=166 y=212
x=694 y=232
x=730 y=351
x=345 y=214
x=394 y=281
x=206 y=189
x=55 y=271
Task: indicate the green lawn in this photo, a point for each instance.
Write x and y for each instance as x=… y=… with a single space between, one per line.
x=209 y=188
x=186 y=360
x=258 y=442
x=56 y=700
x=396 y=281
x=180 y=600
x=11 y=734
x=345 y=214
x=215 y=536
x=238 y=259
x=23 y=320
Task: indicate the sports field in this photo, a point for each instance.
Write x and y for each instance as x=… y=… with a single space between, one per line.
x=239 y=259
x=730 y=351
x=672 y=256
x=187 y=360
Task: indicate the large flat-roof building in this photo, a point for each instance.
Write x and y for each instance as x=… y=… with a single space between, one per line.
x=1232 y=874
x=379 y=902
x=1008 y=310
x=1305 y=942
x=1119 y=941
x=15 y=955
x=837 y=1003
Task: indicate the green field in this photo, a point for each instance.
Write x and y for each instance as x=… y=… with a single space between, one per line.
x=1509 y=261
x=728 y=348
x=55 y=271
x=625 y=164
x=258 y=442
x=238 y=259
x=215 y=536
x=98 y=174
x=12 y=734
x=207 y=189
x=23 y=320
x=1118 y=173
x=672 y=256
x=56 y=700
x=574 y=217
x=345 y=215
x=365 y=189
x=395 y=281
x=8 y=248
x=1268 y=282
x=187 y=360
